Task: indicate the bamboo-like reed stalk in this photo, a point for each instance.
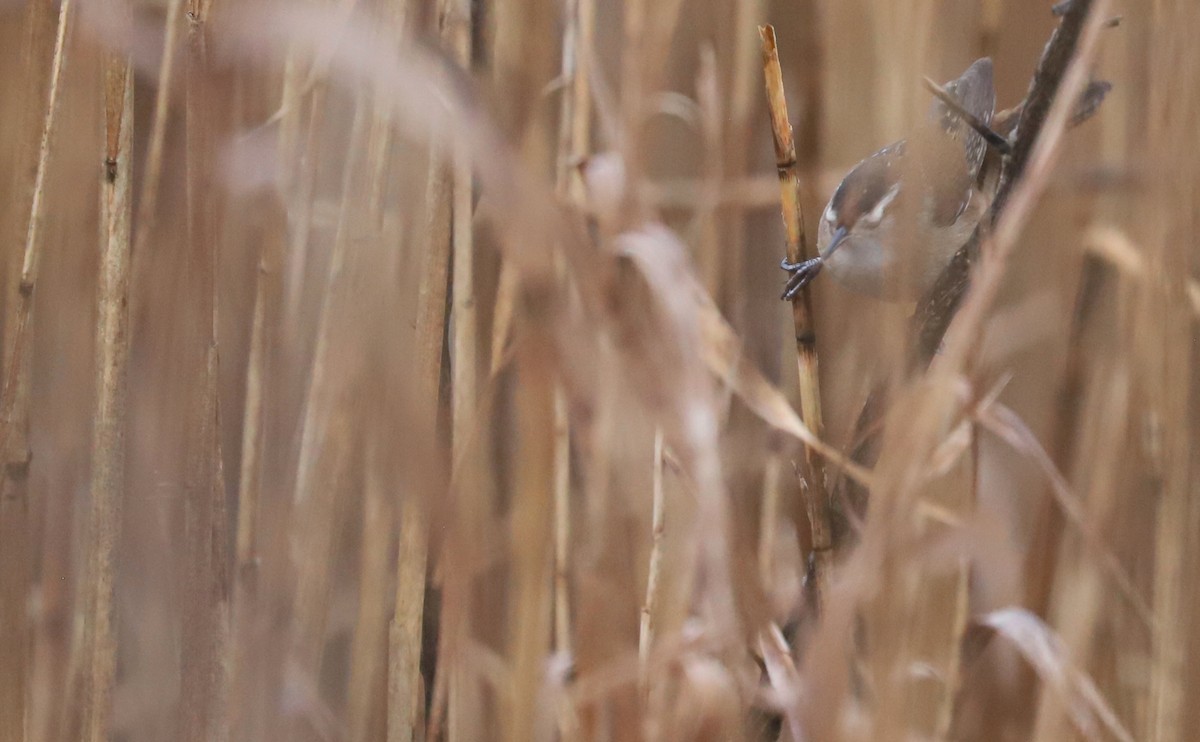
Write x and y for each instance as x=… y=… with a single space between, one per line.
x=15 y=390
x=458 y=25
x=369 y=678
x=531 y=497
x=253 y=433
x=368 y=666
x=526 y=61
x=305 y=192
x=574 y=143
x=531 y=533
x=1081 y=590
x=654 y=575
x=743 y=89
x=112 y=358
x=1165 y=372
x=148 y=203
x=329 y=445
x=815 y=493
x=405 y=688
x=205 y=618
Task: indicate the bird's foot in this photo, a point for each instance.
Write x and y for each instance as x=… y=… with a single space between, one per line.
x=801 y=274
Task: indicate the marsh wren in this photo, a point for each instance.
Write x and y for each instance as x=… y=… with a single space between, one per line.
x=898 y=217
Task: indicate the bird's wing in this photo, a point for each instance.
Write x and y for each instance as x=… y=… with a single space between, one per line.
x=976 y=92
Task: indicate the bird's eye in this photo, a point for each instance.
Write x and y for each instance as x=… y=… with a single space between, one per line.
x=830 y=214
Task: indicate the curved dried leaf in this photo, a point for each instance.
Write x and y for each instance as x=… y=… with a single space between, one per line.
x=1042 y=648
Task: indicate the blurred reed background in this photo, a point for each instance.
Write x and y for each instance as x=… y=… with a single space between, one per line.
x=357 y=383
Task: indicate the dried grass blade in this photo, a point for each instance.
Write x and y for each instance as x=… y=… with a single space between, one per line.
x=1043 y=649
x=782 y=674
x=722 y=353
x=1009 y=427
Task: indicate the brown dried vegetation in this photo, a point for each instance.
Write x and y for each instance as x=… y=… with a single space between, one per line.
x=414 y=370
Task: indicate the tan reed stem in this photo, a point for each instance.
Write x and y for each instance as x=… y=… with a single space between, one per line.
x=14 y=427
x=108 y=423
x=815 y=494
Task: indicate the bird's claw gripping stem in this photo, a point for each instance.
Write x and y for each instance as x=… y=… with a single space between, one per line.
x=801 y=274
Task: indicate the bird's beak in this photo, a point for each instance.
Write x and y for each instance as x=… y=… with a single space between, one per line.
x=836 y=241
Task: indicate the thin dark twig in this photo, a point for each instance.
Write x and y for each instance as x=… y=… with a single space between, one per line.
x=1060 y=9
x=994 y=139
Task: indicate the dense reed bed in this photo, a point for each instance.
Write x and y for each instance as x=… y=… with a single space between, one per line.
x=416 y=370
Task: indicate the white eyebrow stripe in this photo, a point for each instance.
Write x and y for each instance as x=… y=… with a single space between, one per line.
x=876 y=214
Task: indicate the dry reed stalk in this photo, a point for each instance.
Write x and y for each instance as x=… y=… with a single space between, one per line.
x=768 y=521
x=302 y=199
x=633 y=91
x=14 y=419
x=654 y=574
x=901 y=57
x=583 y=23
x=253 y=432
x=815 y=493
x=533 y=486
x=33 y=235
x=954 y=670
x=648 y=28
x=205 y=614
x=502 y=315
x=303 y=84
x=743 y=87
x=562 y=541
x=562 y=525
x=262 y=513
x=457 y=29
x=526 y=61
x=1079 y=582
x=574 y=134
x=1166 y=339
x=723 y=356
x=291 y=115
x=394 y=25
x=366 y=694
x=329 y=442
x=109 y=421
x=369 y=681
x=405 y=690
x=147 y=206
x=1047 y=529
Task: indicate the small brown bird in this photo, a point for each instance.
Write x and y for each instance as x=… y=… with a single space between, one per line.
x=921 y=196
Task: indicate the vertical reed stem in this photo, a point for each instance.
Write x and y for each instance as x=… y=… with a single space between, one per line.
x=112 y=357
x=202 y=711
x=405 y=691
x=816 y=496
x=646 y=632
x=14 y=428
